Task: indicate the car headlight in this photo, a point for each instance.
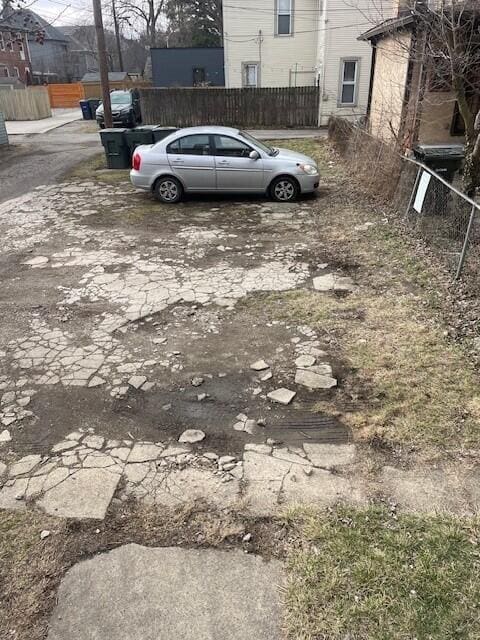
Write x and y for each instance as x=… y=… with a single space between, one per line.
x=310 y=169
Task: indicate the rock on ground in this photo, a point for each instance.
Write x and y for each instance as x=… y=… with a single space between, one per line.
x=169 y=593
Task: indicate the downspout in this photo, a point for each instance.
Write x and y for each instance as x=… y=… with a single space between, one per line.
x=372 y=77
x=324 y=51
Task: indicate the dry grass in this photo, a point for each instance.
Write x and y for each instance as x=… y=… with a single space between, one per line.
x=95 y=168
x=410 y=383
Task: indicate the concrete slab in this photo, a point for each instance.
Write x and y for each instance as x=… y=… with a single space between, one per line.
x=27 y=127
x=170 y=593
x=287 y=134
x=86 y=494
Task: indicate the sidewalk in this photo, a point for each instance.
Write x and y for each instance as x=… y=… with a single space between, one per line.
x=59 y=118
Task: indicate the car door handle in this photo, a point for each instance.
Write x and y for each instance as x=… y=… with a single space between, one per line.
x=223 y=162
x=178 y=161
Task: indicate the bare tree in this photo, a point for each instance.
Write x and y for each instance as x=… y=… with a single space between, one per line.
x=146 y=14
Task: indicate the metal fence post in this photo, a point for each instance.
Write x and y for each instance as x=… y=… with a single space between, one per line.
x=466 y=241
x=412 y=196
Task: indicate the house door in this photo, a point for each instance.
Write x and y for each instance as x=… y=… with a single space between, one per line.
x=198 y=76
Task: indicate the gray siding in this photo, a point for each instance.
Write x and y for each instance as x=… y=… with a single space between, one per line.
x=175 y=67
x=50 y=57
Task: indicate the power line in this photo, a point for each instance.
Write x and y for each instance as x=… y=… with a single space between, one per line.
x=273 y=35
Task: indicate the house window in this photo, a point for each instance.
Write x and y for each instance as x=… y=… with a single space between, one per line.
x=284 y=17
x=348 y=82
x=2 y=42
x=21 y=48
x=250 y=74
x=16 y=72
x=4 y=72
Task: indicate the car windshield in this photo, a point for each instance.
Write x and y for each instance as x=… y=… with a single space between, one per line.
x=120 y=98
x=264 y=147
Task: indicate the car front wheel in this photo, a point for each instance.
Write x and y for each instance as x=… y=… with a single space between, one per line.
x=168 y=190
x=284 y=189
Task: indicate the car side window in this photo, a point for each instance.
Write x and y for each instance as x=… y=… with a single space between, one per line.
x=230 y=147
x=196 y=145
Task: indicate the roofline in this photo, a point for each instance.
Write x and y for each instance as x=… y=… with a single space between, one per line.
x=387 y=27
x=11 y=27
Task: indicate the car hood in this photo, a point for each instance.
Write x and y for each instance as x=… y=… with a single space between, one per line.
x=293 y=156
x=115 y=109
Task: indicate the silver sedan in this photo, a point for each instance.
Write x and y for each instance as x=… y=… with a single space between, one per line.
x=220 y=159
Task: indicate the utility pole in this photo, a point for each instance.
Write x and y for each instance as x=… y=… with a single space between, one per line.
x=117 y=36
x=102 y=63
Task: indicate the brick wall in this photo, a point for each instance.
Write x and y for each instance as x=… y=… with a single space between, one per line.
x=14 y=56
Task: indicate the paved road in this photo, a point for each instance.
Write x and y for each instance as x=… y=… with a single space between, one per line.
x=43 y=159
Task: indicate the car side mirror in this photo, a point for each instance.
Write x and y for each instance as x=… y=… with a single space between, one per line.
x=254 y=155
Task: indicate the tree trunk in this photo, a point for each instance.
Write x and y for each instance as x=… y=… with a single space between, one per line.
x=471 y=171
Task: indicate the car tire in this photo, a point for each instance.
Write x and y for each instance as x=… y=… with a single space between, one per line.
x=284 y=189
x=168 y=190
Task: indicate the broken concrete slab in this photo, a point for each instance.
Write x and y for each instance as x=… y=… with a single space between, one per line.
x=316 y=377
x=85 y=494
x=167 y=593
x=424 y=491
x=305 y=361
x=24 y=465
x=328 y=456
x=191 y=436
x=282 y=395
x=143 y=452
x=259 y=365
x=333 y=282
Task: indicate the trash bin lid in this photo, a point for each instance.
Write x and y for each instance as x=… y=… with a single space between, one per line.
x=440 y=151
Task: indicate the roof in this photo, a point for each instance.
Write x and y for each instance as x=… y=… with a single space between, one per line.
x=113 y=76
x=31 y=21
x=387 y=27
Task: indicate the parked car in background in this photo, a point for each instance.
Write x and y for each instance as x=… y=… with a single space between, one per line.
x=125 y=109
x=221 y=159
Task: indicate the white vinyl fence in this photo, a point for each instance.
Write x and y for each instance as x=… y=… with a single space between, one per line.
x=25 y=104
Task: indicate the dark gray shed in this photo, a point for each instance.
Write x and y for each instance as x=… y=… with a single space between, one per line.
x=188 y=67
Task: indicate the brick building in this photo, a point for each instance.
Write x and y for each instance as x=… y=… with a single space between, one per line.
x=14 y=54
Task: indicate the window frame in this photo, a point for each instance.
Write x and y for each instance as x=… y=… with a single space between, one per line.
x=244 y=74
x=21 y=46
x=5 y=68
x=16 y=72
x=343 y=82
x=194 y=155
x=223 y=135
x=2 y=41
x=279 y=13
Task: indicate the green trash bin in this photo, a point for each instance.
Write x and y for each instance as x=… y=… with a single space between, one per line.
x=94 y=104
x=116 y=149
x=159 y=133
x=444 y=159
x=139 y=135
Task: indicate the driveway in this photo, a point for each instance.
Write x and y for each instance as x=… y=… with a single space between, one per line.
x=139 y=345
x=43 y=158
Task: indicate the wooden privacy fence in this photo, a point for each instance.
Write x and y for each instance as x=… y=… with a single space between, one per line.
x=65 y=96
x=250 y=108
x=94 y=89
x=25 y=104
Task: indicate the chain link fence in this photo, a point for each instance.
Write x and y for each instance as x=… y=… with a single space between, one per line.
x=446 y=219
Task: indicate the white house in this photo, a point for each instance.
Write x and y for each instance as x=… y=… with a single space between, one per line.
x=287 y=43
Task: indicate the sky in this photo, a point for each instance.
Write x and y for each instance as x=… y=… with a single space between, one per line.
x=63 y=12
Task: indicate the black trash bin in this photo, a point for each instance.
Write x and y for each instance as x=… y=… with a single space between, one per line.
x=139 y=135
x=86 y=110
x=159 y=133
x=444 y=159
x=94 y=104
x=116 y=149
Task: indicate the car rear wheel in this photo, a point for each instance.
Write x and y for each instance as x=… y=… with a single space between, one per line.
x=284 y=189
x=168 y=190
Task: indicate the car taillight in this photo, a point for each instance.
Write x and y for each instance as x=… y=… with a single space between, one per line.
x=136 y=161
